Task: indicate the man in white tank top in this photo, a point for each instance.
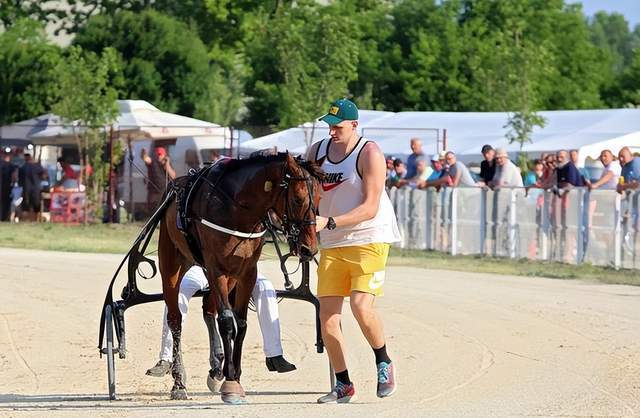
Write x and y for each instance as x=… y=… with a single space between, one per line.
x=356 y=226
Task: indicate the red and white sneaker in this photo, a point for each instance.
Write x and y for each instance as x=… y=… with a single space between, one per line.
x=341 y=393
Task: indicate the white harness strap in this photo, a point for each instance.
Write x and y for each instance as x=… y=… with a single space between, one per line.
x=232 y=232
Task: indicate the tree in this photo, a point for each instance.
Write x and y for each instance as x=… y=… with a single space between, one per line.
x=373 y=27
x=164 y=62
x=220 y=23
x=79 y=12
x=13 y=11
x=27 y=61
x=302 y=59
x=610 y=33
x=521 y=125
x=87 y=102
x=223 y=96
x=629 y=83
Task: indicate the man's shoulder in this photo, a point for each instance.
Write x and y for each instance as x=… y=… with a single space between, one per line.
x=370 y=147
x=313 y=149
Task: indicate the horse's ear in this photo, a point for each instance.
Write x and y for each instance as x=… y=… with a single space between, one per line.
x=290 y=161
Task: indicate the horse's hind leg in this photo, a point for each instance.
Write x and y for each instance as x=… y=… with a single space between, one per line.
x=216 y=353
x=171 y=269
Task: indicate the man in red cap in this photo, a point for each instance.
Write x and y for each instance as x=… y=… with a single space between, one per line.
x=160 y=172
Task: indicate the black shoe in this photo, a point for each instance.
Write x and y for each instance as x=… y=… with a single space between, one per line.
x=163 y=367
x=279 y=364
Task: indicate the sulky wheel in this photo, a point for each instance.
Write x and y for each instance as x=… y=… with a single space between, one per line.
x=110 y=352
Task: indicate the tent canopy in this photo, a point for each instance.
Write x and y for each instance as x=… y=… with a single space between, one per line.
x=297 y=139
x=136 y=119
x=19 y=133
x=589 y=131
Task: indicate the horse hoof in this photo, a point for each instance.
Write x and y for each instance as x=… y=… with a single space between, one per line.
x=179 y=394
x=213 y=383
x=232 y=393
x=233 y=399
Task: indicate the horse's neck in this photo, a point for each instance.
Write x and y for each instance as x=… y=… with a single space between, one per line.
x=250 y=186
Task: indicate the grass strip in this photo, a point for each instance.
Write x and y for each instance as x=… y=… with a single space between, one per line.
x=117 y=239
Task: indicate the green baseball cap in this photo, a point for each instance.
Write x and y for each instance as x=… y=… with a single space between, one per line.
x=341 y=109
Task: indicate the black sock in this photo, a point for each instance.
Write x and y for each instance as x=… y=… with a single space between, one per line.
x=343 y=377
x=381 y=355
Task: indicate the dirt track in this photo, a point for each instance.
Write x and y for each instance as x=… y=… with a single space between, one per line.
x=465 y=344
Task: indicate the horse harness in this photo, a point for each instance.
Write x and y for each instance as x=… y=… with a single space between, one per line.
x=184 y=188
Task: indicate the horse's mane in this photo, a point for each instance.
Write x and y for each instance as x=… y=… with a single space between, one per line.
x=269 y=156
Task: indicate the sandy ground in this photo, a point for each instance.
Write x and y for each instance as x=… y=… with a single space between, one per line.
x=465 y=345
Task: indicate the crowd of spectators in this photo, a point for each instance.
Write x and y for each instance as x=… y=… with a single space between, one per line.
x=557 y=171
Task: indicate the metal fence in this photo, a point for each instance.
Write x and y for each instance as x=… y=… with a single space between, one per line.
x=599 y=227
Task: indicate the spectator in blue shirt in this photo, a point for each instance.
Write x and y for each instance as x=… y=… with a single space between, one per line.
x=435 y=179
x=630 y=170
x=412 y=164
x=574 y=159
x=567 y=172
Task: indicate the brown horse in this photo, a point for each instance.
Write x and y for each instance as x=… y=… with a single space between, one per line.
x=228 y=208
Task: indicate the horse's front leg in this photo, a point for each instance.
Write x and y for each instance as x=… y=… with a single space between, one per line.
x=241 y=308
x=216 y=353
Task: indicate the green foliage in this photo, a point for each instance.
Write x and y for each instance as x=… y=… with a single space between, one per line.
x=611 y=34
x=87 y=102
x=27 y=61
x=81 y=11
x=278 y=63
x=520 y=127
x=13 y=11
x=218 y=22
x=163 y=61
x=629 y=85
x=302 y=59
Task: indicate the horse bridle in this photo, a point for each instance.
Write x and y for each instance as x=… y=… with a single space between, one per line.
x=293 y=227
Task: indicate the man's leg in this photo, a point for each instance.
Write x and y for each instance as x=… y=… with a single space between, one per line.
x=264 y=297
x=334 y=282
x=192 y=281
x=362 y=306
x=364 y=289
x=330 y=317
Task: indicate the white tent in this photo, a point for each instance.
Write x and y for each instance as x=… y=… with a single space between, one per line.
x=297 y=139
x=19 y=133
x=589 y=131
x=138 y=118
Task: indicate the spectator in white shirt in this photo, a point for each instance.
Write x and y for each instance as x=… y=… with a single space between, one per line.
x=610 y=174
x=507 y=173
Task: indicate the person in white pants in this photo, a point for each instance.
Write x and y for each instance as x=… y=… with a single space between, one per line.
x=264 y=298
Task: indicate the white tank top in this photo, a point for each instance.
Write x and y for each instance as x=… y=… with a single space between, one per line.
x=342 y=191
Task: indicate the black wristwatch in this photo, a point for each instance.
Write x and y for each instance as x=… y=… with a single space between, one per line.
x=331 y=224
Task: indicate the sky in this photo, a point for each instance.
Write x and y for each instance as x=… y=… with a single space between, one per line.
x=629 y=8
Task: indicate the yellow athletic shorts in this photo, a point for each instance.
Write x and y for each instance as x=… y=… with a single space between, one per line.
x=344 y=269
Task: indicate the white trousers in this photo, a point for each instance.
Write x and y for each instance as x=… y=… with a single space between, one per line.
x=264 y=297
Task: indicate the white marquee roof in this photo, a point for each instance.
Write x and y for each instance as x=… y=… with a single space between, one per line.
x=587 y=130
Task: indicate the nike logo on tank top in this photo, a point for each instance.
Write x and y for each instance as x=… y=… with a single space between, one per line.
x=342 y=191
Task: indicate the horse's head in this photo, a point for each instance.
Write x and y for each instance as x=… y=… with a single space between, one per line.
x=301 y=184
